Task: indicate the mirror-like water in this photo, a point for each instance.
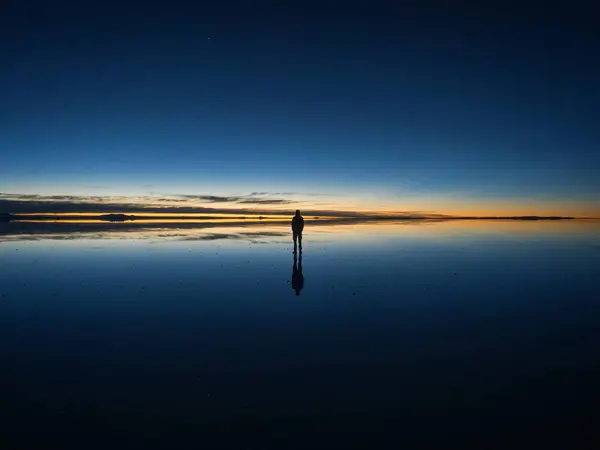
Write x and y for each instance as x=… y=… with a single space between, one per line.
x=375 y=333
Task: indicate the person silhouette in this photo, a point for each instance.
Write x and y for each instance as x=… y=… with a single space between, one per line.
x=297 y=228
x=297 y=277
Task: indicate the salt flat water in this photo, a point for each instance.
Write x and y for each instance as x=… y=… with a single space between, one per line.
x=394 y=333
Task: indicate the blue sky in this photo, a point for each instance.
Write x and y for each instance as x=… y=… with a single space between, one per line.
x=447 y=110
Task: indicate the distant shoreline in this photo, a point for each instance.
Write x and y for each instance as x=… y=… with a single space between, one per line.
x=273 y=218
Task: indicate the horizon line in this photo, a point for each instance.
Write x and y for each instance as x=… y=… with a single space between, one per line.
x=272 y=217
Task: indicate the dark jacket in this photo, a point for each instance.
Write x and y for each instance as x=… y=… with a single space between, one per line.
x=297 y=224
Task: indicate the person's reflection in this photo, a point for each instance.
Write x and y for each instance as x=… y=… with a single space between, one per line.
x=297 y=277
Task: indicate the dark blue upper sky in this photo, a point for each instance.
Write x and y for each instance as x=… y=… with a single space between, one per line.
x=453 y=108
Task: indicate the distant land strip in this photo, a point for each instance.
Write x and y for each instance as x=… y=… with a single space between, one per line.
x=7 y=217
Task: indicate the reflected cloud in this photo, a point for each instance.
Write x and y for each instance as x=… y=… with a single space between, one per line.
x=35 y=231
x=179 y=230
x=250 y=236
x=270 y=231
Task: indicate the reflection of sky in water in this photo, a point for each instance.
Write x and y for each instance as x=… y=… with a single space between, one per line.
x=192 y=328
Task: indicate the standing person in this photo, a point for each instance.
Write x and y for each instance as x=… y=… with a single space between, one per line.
x=297 y=227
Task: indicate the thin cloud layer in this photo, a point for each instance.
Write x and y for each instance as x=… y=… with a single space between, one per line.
x=255 y=198
x=169 y=204
x=16 y=204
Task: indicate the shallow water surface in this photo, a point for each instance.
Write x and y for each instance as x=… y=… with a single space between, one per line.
x=374 y=334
